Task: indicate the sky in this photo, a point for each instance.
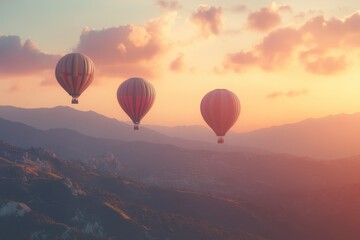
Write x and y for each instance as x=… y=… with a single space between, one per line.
x=286 y=61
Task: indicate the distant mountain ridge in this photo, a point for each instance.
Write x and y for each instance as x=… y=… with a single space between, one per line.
x=50 y=198
x=330 y=137
x=96 y=125
x=236 y=174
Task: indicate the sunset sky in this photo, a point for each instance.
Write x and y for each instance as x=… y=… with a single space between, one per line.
x=286 y=61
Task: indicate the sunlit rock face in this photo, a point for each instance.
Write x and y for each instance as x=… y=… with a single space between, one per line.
x=14 y=209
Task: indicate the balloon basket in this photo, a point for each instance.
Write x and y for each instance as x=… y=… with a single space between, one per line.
x=136 y=126
x=74 y=101
x=220 y=140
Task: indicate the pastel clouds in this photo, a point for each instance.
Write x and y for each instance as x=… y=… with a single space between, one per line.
x=266 y=18
x=14 y=88
x=289 y=94
x=270 y=54
x=209 y=19
x=169 y=5
x=177 y=65
x=318 y=61
x=239 y=8
x=18 y=59
x=138 y=36
x=319 y=45
x=127 y=50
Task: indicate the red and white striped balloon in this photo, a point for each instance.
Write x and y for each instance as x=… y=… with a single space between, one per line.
x=75 y=72
x=220 y=109
x=136 y=96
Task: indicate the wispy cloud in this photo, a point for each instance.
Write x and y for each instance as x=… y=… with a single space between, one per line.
x=239 y=8
x=289 y=94
x=22 y=59
x=14 y=88
x=271 y=53
x=209 y=19
x=266 y=18
x=320 y=45
x=169 y=5
x=128 y=50
x=177 y=65
x=274 y=95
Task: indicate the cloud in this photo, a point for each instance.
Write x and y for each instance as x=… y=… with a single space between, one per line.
x=274 y=95
x=18 y=59
x=265 y=18
x=316 y=61
x=128 y=50
x=277 y=47
x=14 y=88
x=284 y=8
x=304 y=15
x=169 y=5
x=328 y=42
x=333 y=33
x=289 y=94
x=321 y=46
x=209 y=19
x=241 y=60
x=274 y=50
x=296 y=93
x=48 y=80
x=238 y=8
x=177 y=65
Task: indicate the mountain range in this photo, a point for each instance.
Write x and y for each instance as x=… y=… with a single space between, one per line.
x=95 y=125
x=234 y=174
x=226 y=196
x=329 y=137
x=60 y=183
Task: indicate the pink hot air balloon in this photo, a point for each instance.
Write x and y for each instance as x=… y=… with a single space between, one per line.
x=75 y=72
x=220 y=109
x=136 y=96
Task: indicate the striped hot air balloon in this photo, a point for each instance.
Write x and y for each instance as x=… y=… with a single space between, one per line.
x=220 y=109
x=136 y=96
x=75 y=72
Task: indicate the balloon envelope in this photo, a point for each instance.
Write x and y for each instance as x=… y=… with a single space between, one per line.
x=220 y=109
x=136 y=96
x=75 y=72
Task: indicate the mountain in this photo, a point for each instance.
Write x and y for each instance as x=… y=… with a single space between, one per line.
x=330 y=137
x=229 y=174
x=95 y=125
x=52 y=198
x=189 y=132
x=56 y=199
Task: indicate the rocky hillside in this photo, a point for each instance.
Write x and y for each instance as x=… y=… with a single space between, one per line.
x=56 y=199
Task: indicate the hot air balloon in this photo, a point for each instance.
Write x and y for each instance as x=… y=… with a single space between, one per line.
x=75 y=72
x=136 y=96
x=220 y=109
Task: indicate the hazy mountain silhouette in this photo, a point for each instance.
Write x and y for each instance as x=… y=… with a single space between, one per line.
x=330 y=137
x=236 y=174
x=189 y=132
x=324 y=138
x=95 y=125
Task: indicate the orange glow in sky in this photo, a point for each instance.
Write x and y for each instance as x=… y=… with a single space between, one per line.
x=285 y=62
